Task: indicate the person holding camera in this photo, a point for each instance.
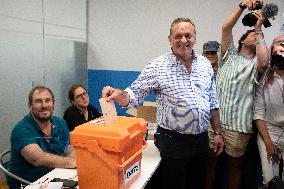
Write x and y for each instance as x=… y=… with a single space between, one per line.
x=269 y=113
x=239 y=68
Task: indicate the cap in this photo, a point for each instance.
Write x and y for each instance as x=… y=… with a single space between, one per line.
x=211 y=46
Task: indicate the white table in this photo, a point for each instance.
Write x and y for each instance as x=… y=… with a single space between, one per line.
x=149 y=163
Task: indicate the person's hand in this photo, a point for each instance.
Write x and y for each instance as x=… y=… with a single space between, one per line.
x=251 y=3
x=110 y=93
x=119 y=96
x=273 y=152
x=260 y=19
x=269 y=151
x=73 y=164
x=218 y=144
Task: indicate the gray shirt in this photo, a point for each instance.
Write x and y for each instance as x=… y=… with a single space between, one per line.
x=268 y=105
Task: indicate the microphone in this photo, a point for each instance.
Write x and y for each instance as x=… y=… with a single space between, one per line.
x=269 y=11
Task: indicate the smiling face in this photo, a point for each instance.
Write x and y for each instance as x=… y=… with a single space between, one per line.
x=182 y=39
x=278 y=49
x=278 y=46
x=212 y=57
x=42 y=105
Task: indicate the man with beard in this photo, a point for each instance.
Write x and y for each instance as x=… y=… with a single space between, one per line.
x=184 y=84
x=40 y=141
x=238 y=71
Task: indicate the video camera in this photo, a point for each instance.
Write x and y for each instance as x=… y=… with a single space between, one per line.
x=269 y=11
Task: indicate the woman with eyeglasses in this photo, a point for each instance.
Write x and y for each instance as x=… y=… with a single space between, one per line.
x=269 y=113
x=81 y=111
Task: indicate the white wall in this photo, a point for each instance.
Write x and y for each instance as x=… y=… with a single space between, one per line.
x=126 y=34
x=42 y=42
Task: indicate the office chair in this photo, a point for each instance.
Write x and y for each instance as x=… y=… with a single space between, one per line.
x=4 y=166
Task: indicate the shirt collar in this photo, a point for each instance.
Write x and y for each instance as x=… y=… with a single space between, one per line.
x=35 y=123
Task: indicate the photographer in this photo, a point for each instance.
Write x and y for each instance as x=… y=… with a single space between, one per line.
x=269 y=113
x=238 y=71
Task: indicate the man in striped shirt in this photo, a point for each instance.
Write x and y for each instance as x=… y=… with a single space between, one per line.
x=237 y=74
x=184 y=84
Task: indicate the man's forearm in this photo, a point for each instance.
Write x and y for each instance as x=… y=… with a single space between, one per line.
x=215 y=120
x=55 y=161
x=231 y=21
x=123 y=98
x=263 y=131
x=262 y=53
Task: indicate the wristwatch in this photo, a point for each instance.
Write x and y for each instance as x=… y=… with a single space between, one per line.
x=243 y=7
x=218 y=133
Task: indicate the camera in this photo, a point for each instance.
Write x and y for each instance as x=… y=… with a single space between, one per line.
x=268 y=11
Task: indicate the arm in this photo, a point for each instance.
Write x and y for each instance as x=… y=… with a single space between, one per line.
x=262 y=128
x=35 y=156
x=262 y=53
x=215 y=123
x=230 y=22
x=146 y=82
x=259 y=116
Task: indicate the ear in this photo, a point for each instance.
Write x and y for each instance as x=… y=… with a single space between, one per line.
x=170 y=39
x=30 y=106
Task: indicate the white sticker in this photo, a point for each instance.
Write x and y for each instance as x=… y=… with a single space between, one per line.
x=131 y=172
x=152 y=128
x=98 y=121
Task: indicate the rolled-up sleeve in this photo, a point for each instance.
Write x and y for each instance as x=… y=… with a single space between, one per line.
x=146 y=82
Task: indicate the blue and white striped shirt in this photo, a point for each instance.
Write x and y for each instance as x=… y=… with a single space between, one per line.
x=184 y=99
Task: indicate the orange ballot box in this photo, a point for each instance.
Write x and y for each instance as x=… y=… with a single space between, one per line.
x=109 y=155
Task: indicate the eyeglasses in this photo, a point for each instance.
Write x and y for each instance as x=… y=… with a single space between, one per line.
x=85 y=94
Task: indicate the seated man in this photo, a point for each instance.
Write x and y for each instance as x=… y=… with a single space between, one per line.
x=81 y=111
x=40 y=141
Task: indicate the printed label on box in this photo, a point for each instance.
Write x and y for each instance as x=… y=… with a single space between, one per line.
x=131 y=172
x=98 y=121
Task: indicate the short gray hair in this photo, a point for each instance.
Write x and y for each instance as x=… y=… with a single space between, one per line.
x=179 y=20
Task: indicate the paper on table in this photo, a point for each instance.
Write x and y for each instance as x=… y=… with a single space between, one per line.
x=51 y=185
x=108 y=110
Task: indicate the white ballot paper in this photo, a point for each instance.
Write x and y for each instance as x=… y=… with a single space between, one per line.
x=108 y=110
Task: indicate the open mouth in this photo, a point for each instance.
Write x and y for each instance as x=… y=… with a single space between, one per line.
x=184 y=46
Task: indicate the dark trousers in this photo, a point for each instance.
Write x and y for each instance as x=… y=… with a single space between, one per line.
x=184 y=159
